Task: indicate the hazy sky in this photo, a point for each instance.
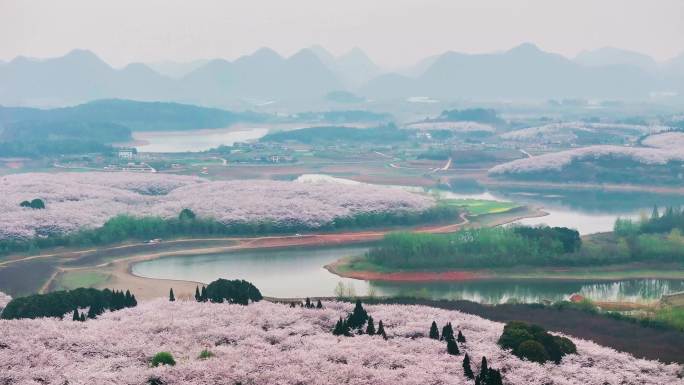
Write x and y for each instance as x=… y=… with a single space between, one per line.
x=393 y=32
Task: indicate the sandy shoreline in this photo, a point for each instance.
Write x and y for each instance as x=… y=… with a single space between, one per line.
x=120 y=276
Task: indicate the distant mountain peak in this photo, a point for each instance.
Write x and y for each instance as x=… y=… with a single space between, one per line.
x=525 y=48
x=82 y=55
x=266 y=53
x=611 y=56
x=356 y=51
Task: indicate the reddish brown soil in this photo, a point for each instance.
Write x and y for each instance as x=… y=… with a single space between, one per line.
x=415 y=276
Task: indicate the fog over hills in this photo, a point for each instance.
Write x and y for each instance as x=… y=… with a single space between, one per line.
x=353 y=68
x=609 y=56
x=523 y=72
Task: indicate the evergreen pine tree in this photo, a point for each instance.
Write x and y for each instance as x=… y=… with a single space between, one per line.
x=203 y=296
x=292 y=305
x=337 y=330
x=83 y=317
x=381 y=330
x=129 y=299
x=319 y=305
x=461 y=337
x=448 y=332
x=134 y=302
x=198 y=298
x=171 y=296
x=434 y=331
x=467 y=370
x=494 y=377
x=655 y=214
x=452 y=347
x=483 y=369
x=370 y=329
x=308 y=303
x=358 y=317
x=76 y=317
x=92 y=312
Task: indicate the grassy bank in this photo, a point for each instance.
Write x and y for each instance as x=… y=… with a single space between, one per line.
x=347 y=267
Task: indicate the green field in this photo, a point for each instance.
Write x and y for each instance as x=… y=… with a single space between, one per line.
x=75 y=279
x=480 y=206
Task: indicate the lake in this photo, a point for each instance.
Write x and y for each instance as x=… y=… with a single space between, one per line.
x=299 y=273
x=194 y=140
x=587 y=211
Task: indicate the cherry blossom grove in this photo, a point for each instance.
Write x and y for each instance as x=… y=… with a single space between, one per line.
x=566 y=130
x=87 y=200
x=267 y=343
x=673 y=140
x=558 y=160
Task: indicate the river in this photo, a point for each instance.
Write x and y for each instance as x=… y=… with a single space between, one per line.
x=299 y=272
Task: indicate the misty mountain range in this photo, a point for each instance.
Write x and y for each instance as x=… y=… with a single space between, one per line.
x=523 y=72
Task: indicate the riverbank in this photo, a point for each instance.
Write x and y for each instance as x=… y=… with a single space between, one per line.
x=358 y=268
x=112 y=267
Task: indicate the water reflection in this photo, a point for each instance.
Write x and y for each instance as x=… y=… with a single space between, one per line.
x=300 y=273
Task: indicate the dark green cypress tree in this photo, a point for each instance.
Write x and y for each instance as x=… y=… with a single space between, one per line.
x=452 y=347
x=308 y=303
x=198 y=298
x=83 y=317
x=494 y=377
x=341 y=328
x=203 y=296
x=358 y=317
x=461 y=337
x=336 y=330
x=448 y=332
x=434 y=331
x=483 y=369
x=93 y=311
x=467 y=370
x=370 y=329
x=319 y=305
x=381 y=330
x=171 y=296
x=134 y=302
x=76 y=317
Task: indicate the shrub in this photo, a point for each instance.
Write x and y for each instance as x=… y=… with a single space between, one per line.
x=235 y=291
x=204 y=354
x=186 y=214
x=533 y=351
x=533 y=343
x=163 y=358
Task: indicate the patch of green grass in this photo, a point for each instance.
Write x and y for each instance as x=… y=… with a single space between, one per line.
x=75 y=279
x=673 y=316
x=480 y=206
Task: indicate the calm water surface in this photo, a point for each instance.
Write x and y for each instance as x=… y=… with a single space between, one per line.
x=194 y=140
x=300 y=273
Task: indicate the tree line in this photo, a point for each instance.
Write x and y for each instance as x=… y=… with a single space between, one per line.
x=59 y=303
x=127 y=227
x=484 y=247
